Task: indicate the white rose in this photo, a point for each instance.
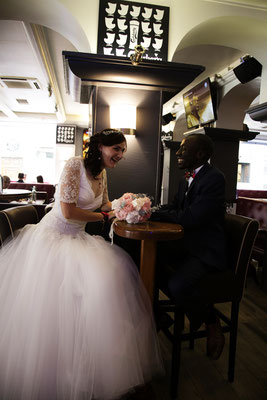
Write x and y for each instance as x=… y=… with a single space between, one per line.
x=132 y=217
x=115 y=204
x=138 y=203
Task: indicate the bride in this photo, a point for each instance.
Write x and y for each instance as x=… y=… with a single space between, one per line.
x=75 y=320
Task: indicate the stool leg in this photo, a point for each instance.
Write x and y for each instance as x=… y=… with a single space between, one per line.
x=176 y=351
x=191 y=338
x=233 y=340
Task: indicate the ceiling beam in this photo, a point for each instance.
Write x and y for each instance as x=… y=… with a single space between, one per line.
x=41 y=42
x=6 y=110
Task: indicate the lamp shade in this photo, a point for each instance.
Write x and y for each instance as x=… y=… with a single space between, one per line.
x=123 y=117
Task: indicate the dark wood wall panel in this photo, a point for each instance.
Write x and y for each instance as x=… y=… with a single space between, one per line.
x=139 y=172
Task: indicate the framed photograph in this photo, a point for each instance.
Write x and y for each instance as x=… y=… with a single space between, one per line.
x=123 y=25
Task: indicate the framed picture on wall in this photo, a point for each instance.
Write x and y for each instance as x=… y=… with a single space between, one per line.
x=65 y=134
x=123 y=25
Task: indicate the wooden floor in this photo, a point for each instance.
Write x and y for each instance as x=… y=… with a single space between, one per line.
x=204 y=379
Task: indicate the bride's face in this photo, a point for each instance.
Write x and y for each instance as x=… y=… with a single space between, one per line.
x=111 y=155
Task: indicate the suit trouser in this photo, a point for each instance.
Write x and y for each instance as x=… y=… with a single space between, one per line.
x=181 y=271
x=187 y=270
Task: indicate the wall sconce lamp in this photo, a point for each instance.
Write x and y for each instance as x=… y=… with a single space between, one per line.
x=123 y=117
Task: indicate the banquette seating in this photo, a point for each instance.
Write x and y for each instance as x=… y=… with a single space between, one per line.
x=40 y=208
x=254 y=194
x=253 y=204
x=16 y=218
x=45 y=191
x=223 y=287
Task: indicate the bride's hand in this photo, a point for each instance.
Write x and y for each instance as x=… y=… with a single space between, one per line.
x=111 y=215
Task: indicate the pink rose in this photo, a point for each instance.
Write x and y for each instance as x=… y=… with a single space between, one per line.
x=128 y=196
x=144 y=217
x=121 y=214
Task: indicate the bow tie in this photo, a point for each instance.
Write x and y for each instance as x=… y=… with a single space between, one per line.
x=189 y=174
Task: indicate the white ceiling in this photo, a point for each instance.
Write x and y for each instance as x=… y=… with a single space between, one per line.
x=21 y=59
x=33 y=55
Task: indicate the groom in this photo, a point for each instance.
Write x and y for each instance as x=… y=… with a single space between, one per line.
x=199 y=206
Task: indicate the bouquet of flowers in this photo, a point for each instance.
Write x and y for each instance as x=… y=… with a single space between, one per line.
x=132 y=208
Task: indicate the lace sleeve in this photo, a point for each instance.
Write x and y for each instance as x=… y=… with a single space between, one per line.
x=105 y=198
x=70 y=181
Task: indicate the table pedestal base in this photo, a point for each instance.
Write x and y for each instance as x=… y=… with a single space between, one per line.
x=147 y=264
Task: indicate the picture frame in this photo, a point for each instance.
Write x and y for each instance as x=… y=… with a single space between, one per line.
x=65 y=134
x=123 y=25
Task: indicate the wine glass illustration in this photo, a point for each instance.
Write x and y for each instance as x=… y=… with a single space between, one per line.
x=145 y=27
x=109 y=23
x=123 y=10
x=157 y=29
x=122 y=39
x=146 y=42
x=110 y=38
x=158 y=44
x=108 y=50
x=159 y=14
x=119 y=52
x=121 y=24
x=135 y=11
x=111 y=8
x=147 y=13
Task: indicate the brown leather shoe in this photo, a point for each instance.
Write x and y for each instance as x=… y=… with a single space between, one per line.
x=215 y=340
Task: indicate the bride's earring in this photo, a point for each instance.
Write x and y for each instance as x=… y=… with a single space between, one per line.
x=99 y=158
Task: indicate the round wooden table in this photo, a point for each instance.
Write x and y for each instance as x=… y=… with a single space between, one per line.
x=14 y=194
x=149 y=233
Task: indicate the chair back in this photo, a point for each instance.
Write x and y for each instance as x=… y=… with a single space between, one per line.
x=42 y=196
x=15 y=218
x=240 y=233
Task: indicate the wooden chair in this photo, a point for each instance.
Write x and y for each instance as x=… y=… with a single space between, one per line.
x=15 y=218
x=259 y=253
x=222 y=287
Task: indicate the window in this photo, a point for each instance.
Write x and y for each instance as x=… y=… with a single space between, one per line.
x=29 y=148
x=252 y=166
x=243 y=172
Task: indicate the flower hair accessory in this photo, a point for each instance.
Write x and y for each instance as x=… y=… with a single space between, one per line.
x=133 y=208
x=107 y=132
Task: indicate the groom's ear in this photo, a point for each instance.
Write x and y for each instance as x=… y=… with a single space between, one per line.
x=100 y=146
x=200 y=155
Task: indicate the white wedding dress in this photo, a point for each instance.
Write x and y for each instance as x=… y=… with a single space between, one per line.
x=75 y=319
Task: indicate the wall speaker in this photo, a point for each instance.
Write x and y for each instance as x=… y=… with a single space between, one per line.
x=249 y=69
x=167 y=118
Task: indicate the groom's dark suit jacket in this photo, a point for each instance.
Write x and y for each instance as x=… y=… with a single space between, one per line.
x=200 y=210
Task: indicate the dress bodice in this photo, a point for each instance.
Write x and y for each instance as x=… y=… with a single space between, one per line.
x=75 y=187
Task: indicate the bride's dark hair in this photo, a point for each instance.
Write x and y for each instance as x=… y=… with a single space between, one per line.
x=107 y=137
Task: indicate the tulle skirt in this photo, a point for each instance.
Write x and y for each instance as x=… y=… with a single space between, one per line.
x=75 y=319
